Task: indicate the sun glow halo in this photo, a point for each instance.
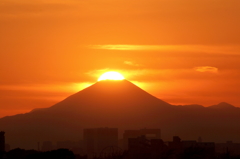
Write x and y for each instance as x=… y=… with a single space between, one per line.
x=111 y=75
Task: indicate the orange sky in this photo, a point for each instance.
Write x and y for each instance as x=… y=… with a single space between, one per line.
x=182 y=51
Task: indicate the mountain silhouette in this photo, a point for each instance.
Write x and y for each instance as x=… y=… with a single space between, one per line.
x=123 y=105
x=223 y=105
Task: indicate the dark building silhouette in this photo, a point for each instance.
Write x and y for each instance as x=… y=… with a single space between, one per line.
x=95 y=140
x=143 y=148
x=148 y=133
x=230 y=147
x=176 y=145
x=191 y=148
x=2 y=141
x=207 y=147
x=139 y=147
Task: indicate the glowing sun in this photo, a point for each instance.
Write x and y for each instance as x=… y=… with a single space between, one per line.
x=111 y=75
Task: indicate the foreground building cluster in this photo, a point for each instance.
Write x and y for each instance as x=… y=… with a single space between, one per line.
x=143 y=148
x=100 y=143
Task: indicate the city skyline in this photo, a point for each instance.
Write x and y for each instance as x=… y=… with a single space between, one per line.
x=104 y=142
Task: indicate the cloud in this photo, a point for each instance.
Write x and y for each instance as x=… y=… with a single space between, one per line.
x=46 y=88
x=227 y=49
x=206 y=69
x=133 y=47
x=131 y=63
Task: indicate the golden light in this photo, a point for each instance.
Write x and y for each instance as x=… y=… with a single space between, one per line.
x=111 y=75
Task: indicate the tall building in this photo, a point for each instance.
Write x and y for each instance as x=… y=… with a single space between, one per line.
x=148 y=133
x=2 y=141
x=95 y=140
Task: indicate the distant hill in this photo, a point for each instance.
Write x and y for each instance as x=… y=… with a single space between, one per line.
x=223 y=105
x=124 y=105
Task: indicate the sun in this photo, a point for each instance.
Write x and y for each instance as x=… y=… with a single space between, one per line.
x=111 y=75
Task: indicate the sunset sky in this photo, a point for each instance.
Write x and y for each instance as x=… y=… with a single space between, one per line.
x=181 y=51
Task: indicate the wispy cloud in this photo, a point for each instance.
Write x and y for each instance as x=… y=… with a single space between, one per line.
x=131 y=63
x=127 y=47
x=206 y=69
x=62 y=87
x=186 y=48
